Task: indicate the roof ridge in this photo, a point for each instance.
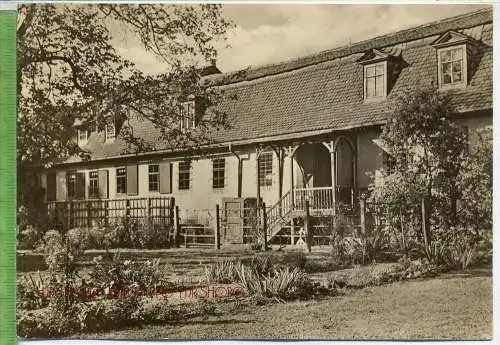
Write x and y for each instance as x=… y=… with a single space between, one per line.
x=250 y=73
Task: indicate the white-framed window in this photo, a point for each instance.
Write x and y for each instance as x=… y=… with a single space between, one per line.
x=93 y=184
x=218 y=173
x=187 y=120
x=82 y=136
x=184 y=175
x=266 y=169
x=452 y=66
x=121 y=180
x=375 y=80
x=110 y=131
x=154 y=177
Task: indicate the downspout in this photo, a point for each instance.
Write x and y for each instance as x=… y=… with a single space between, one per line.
x=240 y=169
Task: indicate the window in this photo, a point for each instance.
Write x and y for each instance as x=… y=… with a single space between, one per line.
x=375 y=80
x=110 y=131
x=184 y=175
x=82 y=136
x=121 y=181
x=452 y=66
x=75 y=184
x=219 y=173
x=187 y=115
x=93 y=185
x=154 y=177
x=266 y=169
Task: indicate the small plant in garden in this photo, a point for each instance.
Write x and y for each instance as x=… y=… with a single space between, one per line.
x=222 y=271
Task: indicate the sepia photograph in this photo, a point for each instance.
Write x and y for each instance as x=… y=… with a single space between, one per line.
x=254 y=171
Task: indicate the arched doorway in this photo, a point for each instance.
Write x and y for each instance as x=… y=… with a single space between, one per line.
x=314 y=165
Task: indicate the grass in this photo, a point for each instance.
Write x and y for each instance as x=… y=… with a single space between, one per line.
x=448 y=307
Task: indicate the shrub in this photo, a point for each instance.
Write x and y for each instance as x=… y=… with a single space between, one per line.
x=31 y=292
x=282 y=283
x=27 y=238
x=158 y=310
x=128 y=278
x=222 y=271
x=79 y=239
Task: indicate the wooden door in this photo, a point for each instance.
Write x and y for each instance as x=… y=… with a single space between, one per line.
x=232 y=213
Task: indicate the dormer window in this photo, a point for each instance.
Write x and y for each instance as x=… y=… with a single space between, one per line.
x=380 y=71
x=82 y=136
x=110 y=131
x=453 y=50
x=187 y=120
x=375 y=80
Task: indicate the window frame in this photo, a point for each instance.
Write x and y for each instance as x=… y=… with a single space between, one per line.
x=93 y=184
x=463 y=82
x=82 y=142
x=384 y=81
x=263 y=180
x=184 y=175
x=218 y=169
x=124 y=183
x=156 y=175
x=187 y=107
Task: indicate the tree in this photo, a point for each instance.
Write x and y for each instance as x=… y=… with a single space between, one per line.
x=426 y=149
x=68 y=71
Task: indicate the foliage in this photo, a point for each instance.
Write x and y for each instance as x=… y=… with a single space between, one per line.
x=222 y=272
x=28 y=238
x=127 y=278
x=30 y=292
x=476 y=186
x=158 y=310
x=426 y=149
x=69 y=68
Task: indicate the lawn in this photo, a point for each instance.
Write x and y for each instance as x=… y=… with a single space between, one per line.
x=452 y=306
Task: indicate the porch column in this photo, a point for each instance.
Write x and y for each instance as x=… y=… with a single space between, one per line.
x=257 y=164
x=330 y=145
x=290 y=151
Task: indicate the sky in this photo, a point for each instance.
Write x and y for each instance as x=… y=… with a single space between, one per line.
x=266 y=34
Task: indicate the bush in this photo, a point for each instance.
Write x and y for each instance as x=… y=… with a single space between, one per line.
x=282 y=284
x=79 y=239
x=158 y=310
x=222 y=272
x=28 y=238
x=128 y=278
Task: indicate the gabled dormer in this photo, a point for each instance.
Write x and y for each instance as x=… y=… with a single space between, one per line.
x=454 y=54
x=380 y=70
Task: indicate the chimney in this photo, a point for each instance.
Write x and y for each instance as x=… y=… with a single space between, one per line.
x=210 y=69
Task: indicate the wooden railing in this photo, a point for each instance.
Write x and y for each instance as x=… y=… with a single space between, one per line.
x=278 y=211
x=320 y=198
x=86 y=213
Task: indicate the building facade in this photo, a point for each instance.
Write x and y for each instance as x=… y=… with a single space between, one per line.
x=303 y=129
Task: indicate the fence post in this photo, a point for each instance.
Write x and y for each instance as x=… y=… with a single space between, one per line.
x=217 y=227
x=177 y=226
x=307 y=227
x=89 y=214
x=264 y=226
x=292 y=232
x=362 y=214
x=70 y=214
x=106 y=212
x=127 y=209
x=148 y=209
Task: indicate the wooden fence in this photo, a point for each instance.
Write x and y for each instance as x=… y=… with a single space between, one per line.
x=86 y=213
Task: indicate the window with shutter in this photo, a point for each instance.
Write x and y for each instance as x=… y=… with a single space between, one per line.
x=93 y=185
x=121 y=180
x=154 y=177
x=184 y=175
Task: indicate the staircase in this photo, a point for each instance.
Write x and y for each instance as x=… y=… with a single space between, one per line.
x=278 y=215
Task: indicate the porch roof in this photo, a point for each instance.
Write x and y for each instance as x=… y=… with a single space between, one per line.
x=324 y=92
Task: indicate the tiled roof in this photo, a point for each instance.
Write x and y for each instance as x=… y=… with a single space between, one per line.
x=325 y=91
